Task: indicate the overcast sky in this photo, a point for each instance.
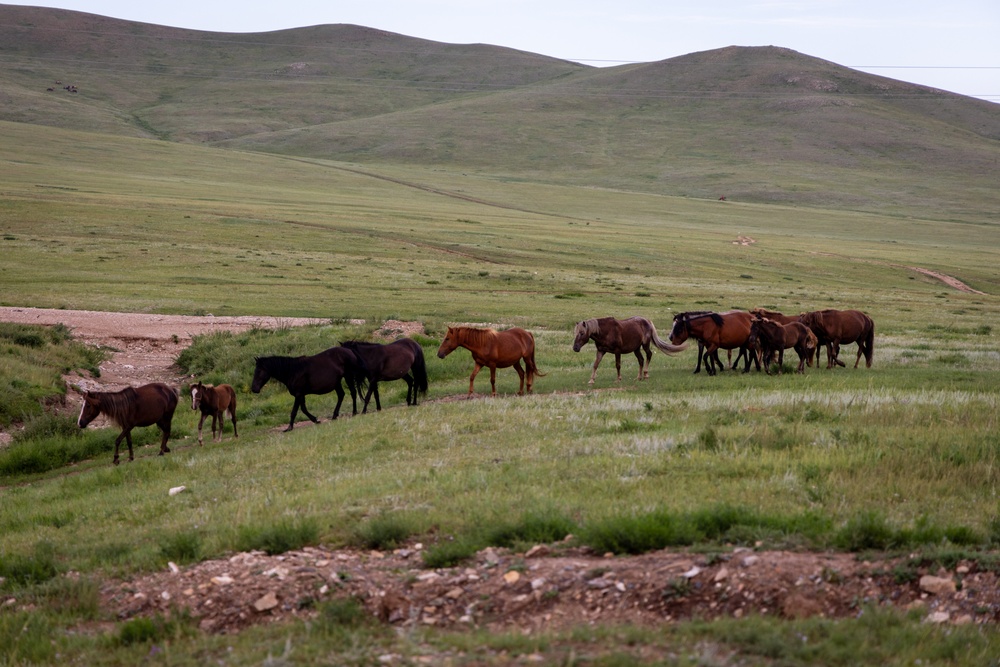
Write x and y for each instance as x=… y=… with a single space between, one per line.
x=951 y=45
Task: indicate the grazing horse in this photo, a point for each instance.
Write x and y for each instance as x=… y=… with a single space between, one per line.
x=133 y=406
x=727 y=331
x=317 y=374
x=402 y=359
x=215 y=402
x=494 y=349
x=833 y=327
x=621 y=337
x=777 y=337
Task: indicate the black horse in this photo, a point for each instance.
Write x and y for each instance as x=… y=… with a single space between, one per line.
x=319 y=374
x=402 y=359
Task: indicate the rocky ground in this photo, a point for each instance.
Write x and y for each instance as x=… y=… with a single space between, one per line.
x=549 y=586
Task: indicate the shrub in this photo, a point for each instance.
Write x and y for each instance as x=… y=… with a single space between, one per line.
x=451 y=553
x=279 y=537
x=868 y=530
x=181 y=547
x=386 y=531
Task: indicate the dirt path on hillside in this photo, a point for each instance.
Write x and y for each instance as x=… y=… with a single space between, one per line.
x=548 y=587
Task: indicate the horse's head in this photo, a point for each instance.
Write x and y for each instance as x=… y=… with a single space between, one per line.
x=581 y=334
x=679 y=331
x=754 y=334
x=449 y=344
x=197 y=393
x=91 y=408
x=260 y=376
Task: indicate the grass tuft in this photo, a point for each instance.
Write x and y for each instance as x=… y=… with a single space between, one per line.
x=279 y=537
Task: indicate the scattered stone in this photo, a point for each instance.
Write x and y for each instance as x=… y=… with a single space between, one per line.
x=938 y=617
x=173 y=567
x=177 y=489
x=222 y=581
x=937 y=585
x=722 y=574
x=266 y=603
x=538 y=551
x=512 y=576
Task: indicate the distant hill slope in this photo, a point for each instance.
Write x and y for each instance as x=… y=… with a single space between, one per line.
x=760 y=124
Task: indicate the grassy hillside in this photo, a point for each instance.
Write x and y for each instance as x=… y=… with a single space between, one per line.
x=764 y=125
x=91 y=221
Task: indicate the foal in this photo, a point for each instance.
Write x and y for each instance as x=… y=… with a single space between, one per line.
x=214 y=401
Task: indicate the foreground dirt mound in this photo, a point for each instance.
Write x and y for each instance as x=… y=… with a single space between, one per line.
x=550 y=587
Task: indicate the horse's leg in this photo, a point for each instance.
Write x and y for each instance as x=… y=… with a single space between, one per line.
x=410 y=389
x=164 y=425
x=597 y=362
x=340 y=399
x=472 y=378
x=232 y=414
x=649 y=358
x=493 y=380
x=217 y=417
x=860 y=350
x=200 y=422
x=372 y=388
x=295 y=411
x=701 y=353
x=836 y=355
x=618 y=365
x=638 y=355
x=118 y=441
x=378 y=401
x=709 y=362
x=354 y=394
x=520 y=374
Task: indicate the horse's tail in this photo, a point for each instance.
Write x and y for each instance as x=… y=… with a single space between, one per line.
x=662 y=345
x=869 y=342
x=358 y=373
x=529 y=361
x=419 y=369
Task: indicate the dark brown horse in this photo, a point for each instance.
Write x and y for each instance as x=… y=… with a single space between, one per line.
x=633 y=335
x=215 y=402
x=727 y=331
x=402 y=359
x=133 y=406
x=317 y=374
x=833 y=327
x=777 y=337
x=494 y=349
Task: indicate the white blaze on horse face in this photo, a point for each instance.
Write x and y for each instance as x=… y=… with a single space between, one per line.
x=195 y=399
x=79 y=420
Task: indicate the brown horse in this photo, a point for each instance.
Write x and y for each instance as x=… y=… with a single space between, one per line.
x=777 y=337
x=494 y=349
x=727 y=331
x=317 y=374
x=214 y=401
x=833 y=327
x=619 y=337
x=133 y=406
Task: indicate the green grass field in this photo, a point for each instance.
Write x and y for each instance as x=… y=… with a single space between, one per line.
x=95 y=222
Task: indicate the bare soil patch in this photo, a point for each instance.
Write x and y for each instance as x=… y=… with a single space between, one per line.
x=549 y=588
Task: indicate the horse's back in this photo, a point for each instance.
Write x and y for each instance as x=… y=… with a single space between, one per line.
x=155 y=401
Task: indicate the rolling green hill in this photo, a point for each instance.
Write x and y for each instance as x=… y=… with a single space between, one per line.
x=752 y=124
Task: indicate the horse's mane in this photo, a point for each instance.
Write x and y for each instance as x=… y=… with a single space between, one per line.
x=695 y=314
x=591 y=326
x=476 y=336
x=117 y=405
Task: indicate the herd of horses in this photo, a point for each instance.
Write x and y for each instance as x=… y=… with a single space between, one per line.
x=759 y=336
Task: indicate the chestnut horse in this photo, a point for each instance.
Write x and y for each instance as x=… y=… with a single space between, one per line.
x=833 y=327
x=317 y=374
x=133 y=406
x=215 y=402
x=494 y=349
x=402 y=359
x=727 y=331
x=619 y=337
x=777 y=337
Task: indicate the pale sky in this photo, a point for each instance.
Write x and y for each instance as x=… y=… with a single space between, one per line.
x=951 y=45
